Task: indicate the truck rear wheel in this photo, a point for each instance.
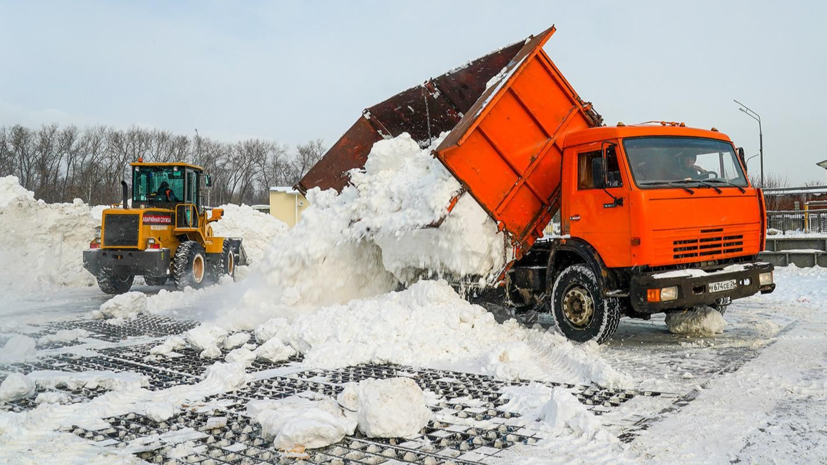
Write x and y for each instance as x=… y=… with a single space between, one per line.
x=190 y=268
x=114 y=284
x=580 y=312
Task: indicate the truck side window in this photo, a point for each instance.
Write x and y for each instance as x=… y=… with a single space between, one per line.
x=612 y=168
x=584 y=168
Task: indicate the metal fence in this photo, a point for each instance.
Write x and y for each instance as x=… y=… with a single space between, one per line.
x=798 y=221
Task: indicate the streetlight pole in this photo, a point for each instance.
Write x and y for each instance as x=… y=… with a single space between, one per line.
x=756 y=117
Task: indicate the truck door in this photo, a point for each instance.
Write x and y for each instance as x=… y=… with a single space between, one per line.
x=600 y=214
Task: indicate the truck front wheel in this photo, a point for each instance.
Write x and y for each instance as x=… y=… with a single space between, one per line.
x=114 y=284
x=580 y=312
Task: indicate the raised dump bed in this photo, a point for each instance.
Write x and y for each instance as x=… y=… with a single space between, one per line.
x=508 y=113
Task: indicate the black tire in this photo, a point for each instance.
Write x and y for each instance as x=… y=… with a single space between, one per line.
x=223 y=265
x=153 y=281
x=114 y=284
x=190 y=266
x=579 y=311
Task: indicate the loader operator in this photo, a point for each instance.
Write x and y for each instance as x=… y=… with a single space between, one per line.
x=165 y=194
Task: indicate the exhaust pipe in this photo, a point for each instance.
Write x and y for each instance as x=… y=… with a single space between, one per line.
x=123 y=190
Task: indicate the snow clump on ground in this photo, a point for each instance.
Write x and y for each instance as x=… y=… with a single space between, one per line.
x=703 y=321
x=388 y=408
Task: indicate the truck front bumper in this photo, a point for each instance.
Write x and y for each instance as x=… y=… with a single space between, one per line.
x=153 y=263
x=696 y=287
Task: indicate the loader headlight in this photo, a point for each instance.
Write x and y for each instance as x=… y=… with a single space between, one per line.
x=98 y=232
x=765 y=279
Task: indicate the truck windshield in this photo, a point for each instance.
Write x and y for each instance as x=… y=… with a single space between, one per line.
x=667 y=162
x=158 y=184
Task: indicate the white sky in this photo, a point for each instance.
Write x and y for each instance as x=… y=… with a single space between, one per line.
x=297 y=71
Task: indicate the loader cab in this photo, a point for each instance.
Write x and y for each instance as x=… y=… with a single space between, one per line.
x=165 y=185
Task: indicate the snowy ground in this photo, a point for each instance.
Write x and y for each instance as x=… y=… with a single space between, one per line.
x=755 y=394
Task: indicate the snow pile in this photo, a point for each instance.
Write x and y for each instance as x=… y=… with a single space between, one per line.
x=387 y=408
x=42 y=243
x=428 y=324
x=701 y=321
x=18 y=348
x=257 y=229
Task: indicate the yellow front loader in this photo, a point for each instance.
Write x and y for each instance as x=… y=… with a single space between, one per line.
x=164 y=234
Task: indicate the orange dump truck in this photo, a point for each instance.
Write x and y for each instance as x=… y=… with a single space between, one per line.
x=655 y=217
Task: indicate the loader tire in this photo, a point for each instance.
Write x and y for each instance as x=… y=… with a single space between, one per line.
x=580 y=312
x=224 y=265
x=190 y=266
x=114 y=284
x=153 y=281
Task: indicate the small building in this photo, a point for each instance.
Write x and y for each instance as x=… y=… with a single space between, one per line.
x=287 y=204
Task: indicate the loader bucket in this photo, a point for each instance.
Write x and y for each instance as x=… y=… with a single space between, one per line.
x=423 y=111
x=507 y=149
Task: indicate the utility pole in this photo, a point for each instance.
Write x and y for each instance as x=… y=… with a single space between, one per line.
x=756 y=117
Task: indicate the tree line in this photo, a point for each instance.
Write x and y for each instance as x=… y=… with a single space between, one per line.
x=63 y=163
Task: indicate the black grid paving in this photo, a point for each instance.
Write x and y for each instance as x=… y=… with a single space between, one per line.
x=469 y=424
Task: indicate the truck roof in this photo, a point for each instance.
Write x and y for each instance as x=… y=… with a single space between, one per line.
x=187 y=165
x=663 y=129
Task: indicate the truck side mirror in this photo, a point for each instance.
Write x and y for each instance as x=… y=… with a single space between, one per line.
x=740 y=152
x=207 y=180
x=599 y=173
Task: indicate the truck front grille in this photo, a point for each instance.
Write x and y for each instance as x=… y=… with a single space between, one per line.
x=120 y=230
x=709 y=245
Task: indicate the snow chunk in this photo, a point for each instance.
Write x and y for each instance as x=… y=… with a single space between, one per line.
x=236 y=340
x=206 y=336
x=297 y=422
x=563 y=410
x=241 y=355
x=391 y=408
x=702 y=321
x=128 y=305
x=274 y=351
x=53 y=398
x=18 y=349
x=170 y=345
x=16 y=387
x=64 y=335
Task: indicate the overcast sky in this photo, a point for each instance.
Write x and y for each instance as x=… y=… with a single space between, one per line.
x=297 y=71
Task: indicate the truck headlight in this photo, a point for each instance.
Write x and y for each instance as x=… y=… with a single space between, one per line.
x=765 y=279
x=662 y=295
x=669 y=293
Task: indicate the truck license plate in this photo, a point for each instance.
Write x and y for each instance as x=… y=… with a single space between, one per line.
x=722 y=286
